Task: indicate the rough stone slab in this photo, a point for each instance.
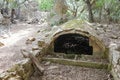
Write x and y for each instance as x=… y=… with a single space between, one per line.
x=78 y=63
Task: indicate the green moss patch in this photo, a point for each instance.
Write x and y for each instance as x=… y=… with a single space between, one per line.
x=74 y=24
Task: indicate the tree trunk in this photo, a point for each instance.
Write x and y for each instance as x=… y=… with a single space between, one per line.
x=100 y=15
x=90 y=10
x=13 y=13
x=18 y=13
x=18 y=10
x=6 y=8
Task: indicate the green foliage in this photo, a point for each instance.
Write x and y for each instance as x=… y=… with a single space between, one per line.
x=46 y=5
x=99 y=3
x=115 y=10
x=103 y=10
x=107 y=10
x=11 y=3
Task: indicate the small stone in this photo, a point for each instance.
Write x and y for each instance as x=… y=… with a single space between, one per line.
x=35 y=48
x=114 y=37
x=47 y=63
x=100 y=25
x=3 y=74
x=52 y=67
x=119 y=75
x=36 y=53
x=28 y=42
x=33 y=21
x=15 y=78
x=41 y=43
x=109 y=77
x=1 y=44
x=31 y=39
x=46 y=35
x=119 y=61
x=38 y=31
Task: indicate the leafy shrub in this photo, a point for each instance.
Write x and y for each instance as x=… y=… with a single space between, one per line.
x=46 y=5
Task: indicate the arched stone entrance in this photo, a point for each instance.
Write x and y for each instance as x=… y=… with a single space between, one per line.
x=73 y=43
x=83 y=42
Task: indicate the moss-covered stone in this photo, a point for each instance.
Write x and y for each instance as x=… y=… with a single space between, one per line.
x=74 y=24
x=79 y=63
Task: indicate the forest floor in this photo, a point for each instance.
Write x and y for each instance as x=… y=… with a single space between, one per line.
x=10 y=52
x=65 y=72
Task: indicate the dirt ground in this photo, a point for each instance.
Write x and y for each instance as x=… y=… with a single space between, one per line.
x=10 y=52
x=64 y=72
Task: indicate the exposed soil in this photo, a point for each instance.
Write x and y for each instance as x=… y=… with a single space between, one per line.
x=64 y=72
x=108 y=33
x=10 y=52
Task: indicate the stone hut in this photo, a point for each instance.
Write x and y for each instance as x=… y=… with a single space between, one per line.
x=76 y=37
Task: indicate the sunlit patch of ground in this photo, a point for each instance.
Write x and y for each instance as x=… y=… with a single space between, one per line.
x=13 y=38
x=10 y=52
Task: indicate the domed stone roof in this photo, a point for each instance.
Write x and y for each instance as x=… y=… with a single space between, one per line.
x=81 y=28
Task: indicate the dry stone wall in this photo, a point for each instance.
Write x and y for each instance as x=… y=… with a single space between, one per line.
x=114 y=55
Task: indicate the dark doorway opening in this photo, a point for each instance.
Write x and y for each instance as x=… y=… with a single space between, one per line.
x=73 y=43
